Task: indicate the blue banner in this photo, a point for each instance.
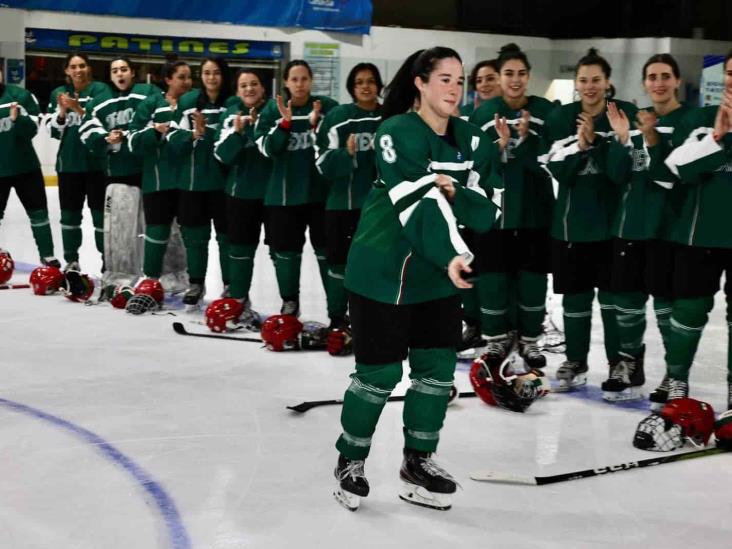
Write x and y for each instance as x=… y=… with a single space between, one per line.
x=351 y=16
x=47 y=39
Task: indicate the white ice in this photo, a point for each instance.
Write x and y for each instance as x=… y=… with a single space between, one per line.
x=163 y=441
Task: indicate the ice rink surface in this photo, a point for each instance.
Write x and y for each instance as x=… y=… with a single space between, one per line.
x=116 y=433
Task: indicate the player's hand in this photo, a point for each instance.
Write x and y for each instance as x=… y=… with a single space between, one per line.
x=253 y=116
x=161 y=127
x=723 y=119
x=239 y=122
x=646 y=121
x=618 y=122
x=585 y=131
x=114 y=137
x=315 y=113
x=503 y=131
x=199 y=125
x=524 y=124
x=14 y=111
x=446 y=186
x=457 y=265
x=285 y=111
x=351 y=145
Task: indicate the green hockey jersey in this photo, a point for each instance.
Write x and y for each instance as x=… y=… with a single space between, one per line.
x=350 y=177
x=159 y=165
x=199 y=170
x=528 y=197
x=705 y=168
x=250 y=170
x=408 y=232
x=295 y=179
x=114 y=111
x=587 y=199
x=73 y=156
x=16 y=137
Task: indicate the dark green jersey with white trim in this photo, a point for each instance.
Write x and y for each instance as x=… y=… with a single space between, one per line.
x=408 y=232
x=16 y=137
x=350 y=177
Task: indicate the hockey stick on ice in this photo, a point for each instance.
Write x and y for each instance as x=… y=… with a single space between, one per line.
x=305 y=406
x=180 y=329
x=491 y=476
x=13 y=286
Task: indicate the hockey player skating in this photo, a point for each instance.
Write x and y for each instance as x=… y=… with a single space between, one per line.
x=642 y=260
x=404 y=271
x=512 y=259
x=200 y=175
x=246 y=183
x=577 y=138
x=19 y=165
x=345 y=156
x=296 y=191
x=703 y=232
x=80 y=173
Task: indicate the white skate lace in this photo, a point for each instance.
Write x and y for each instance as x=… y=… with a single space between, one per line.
x=431 y=468
x=664 y=386
x=569 y=367
x=678 y=389
x=354 y=469
x=531 y=350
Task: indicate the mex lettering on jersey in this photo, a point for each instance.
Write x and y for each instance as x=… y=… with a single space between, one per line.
x=300 y=141
x=364 y=141
x=120 y=118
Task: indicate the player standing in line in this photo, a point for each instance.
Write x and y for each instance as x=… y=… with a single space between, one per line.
x=404 y=271
x=148 y=128
x=19 y=165
x=80 y=173
x=201 y=177
x=703 y=232
x=296 y=192
x=246 y=183
x=642 y=255
x=483 y=80
x=577 y=137
x=346 y=159
x=513 y=257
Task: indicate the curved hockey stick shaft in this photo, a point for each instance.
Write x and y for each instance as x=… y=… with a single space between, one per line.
x=13 y=286
x=180 y=329
x=490 y=476
x=307 y=405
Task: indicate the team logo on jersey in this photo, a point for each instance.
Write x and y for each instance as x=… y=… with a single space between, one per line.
x=639 y=160
x=590 y=168
x=459 y=156
x=299 y=141
x=725 y=168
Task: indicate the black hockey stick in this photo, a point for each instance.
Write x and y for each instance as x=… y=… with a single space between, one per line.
x=13 y=286
x=490 y=476
x=180 y=329
x=305 y=406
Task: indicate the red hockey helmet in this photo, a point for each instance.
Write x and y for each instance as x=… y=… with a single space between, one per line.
x=723 y=430
x=498 y=385
x=121 y=296
x=223 y=314
x=7 y=266
x=46 y=280
x=77 y=286
x=695 y=418
x=151 y=287
x=281 y=333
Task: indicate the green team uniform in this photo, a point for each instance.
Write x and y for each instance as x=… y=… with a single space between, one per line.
x=246 y=183
x=467 y=110
x=703 y=232
x=115 y=111
x=350 y=178
x=20 y=167
x=295 y=181
x=159 y=173
x=585 y=207
x=517 y=287
x=407 y=236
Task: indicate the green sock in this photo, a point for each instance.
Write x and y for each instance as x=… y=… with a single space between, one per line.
x=98 y=221
x=493 y=290
x=578 y=324
x=688 y=319
x=432 y=372
x=630 y=311
x=241 y=269
x=336 y=292
x=287 y=269
x=41 y=228
x=662 y=307
x=156 y=242
x=532 y=289
x=195 y=240
x=223 y=242
x=71 y=234
x=363 y=402
x=611 y=338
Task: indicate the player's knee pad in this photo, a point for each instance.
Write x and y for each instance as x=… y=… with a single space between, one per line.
x=37 y=218
x=532 y=288
x=242 y=252
x=434 y=364
x=195 y=237
x=377 y=377
x=157 y=234
x=577 y=303
x=692 y=312
x=71 y=218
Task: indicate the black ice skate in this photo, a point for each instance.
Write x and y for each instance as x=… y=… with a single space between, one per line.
x=571 y=374
x=193 y=297
x=528 y=349
x=50 y=262
x=626 y=379
x=677 y=389
x=497 y=348
x=471 y=341
x=424 y=482
x=659 y=395
x=352 y=484
x=290 y=307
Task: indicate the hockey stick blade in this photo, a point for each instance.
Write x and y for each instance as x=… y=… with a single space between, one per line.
x=13 y=286
x=180 y=329
x=305 y=406
x=491 y=476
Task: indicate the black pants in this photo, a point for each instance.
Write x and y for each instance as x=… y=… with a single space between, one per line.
x=30 y=190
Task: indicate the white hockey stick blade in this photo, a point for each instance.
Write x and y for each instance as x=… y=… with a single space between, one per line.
x=502 y=478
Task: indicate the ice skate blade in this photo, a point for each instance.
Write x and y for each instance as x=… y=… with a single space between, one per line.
x=346 y=499
x=418 y=495
x=564 y=385
x=631 y=393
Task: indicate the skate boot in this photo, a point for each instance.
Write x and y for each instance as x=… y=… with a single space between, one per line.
x=424 y=482
x=471 y=340
x=225 y=292
x=249 y=318
x=50 y=262
x=290 y=307
x=193 y=297
x=659 y=395
x=352 y=484
x=72 y=266
x=626 y=379
x=677 y=389
x=571 y=374
x=497 y=348
x=528 y=349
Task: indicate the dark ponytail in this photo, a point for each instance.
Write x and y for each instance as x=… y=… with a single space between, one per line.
x=509 y=52
x=594 y=58
x=401 y=93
